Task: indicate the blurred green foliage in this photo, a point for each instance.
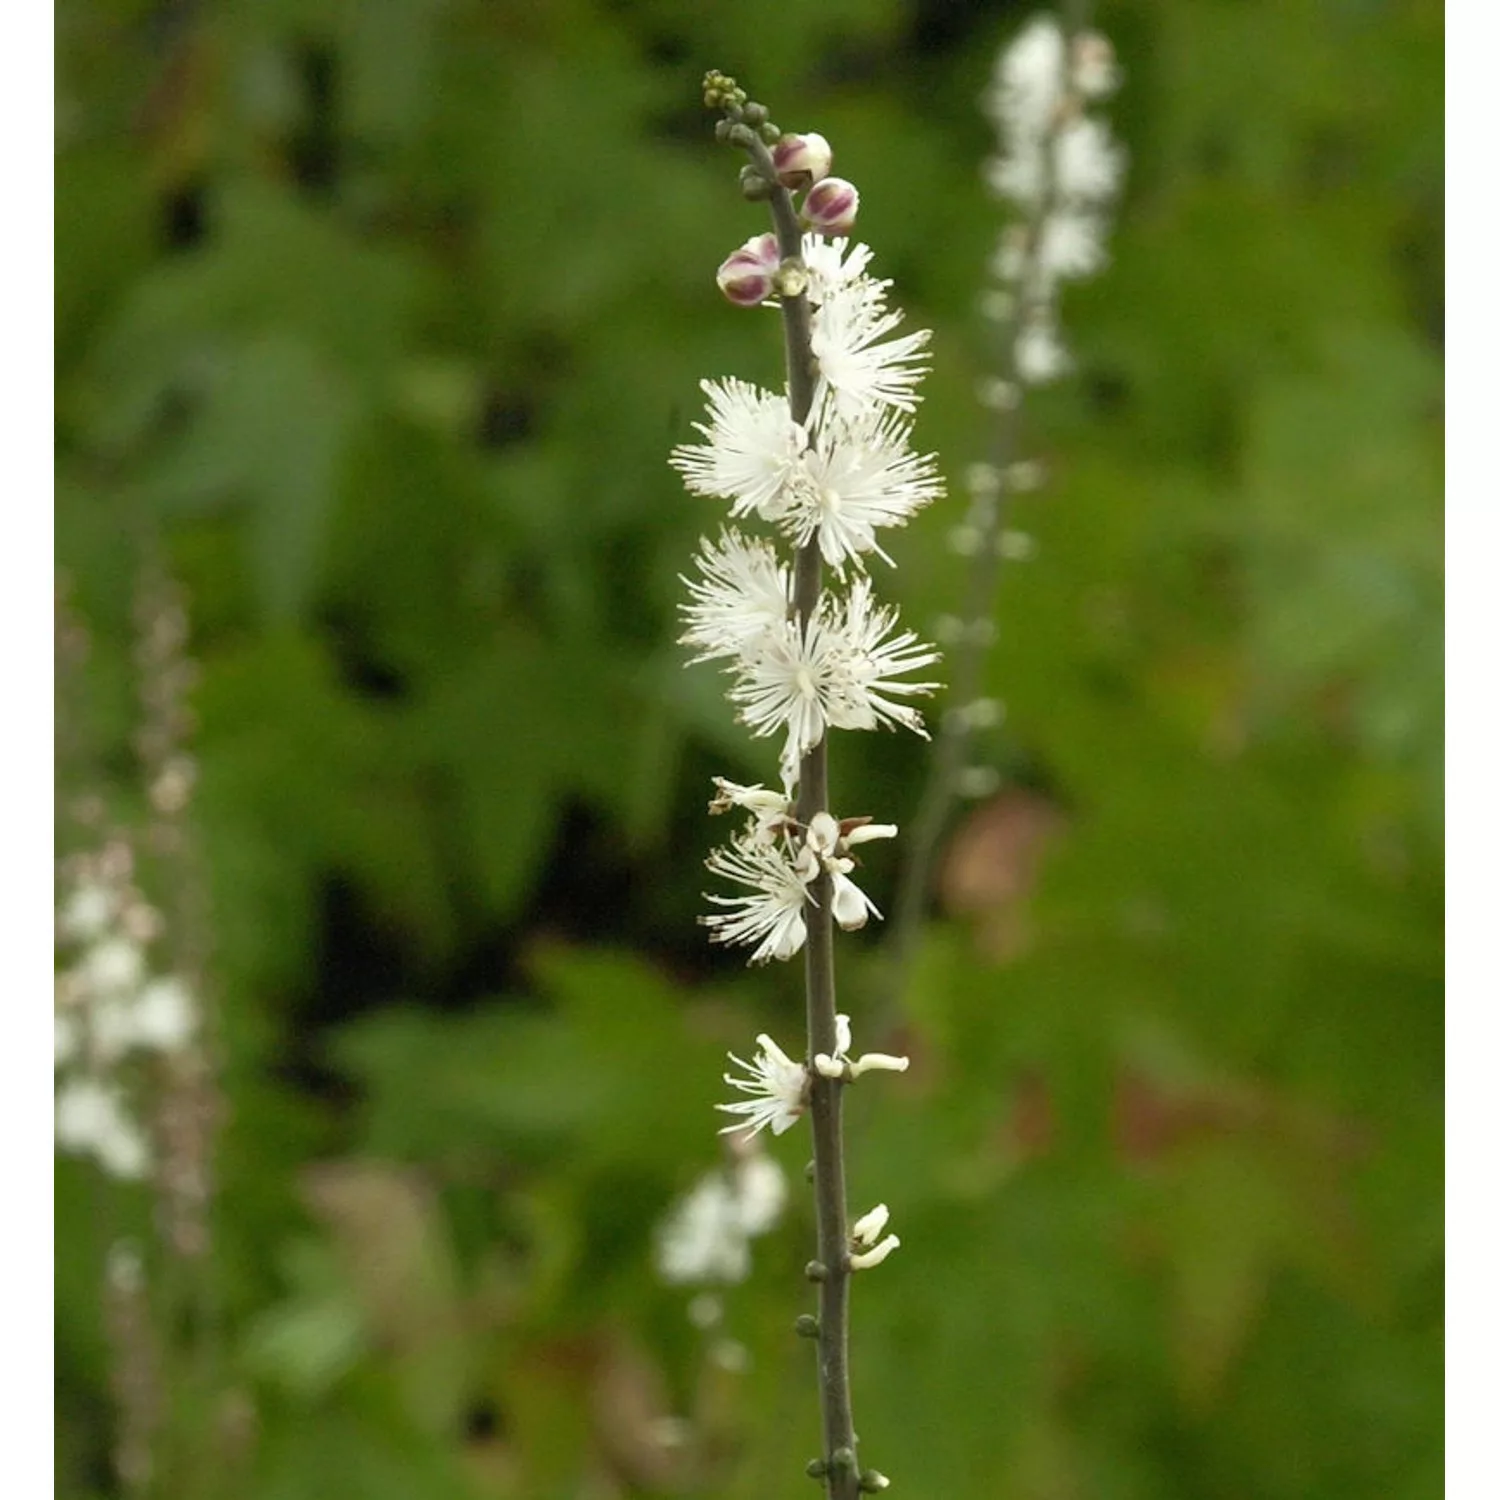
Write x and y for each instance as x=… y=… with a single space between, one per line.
x=384 y=317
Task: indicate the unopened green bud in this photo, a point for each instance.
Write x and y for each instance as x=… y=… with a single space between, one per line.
x=769 y=133
x=817 y=1468
x=815 y=1270
x=756 y=114
x=841 y=1458
x=807 y=1326
x=872 y=1481
x=740 y=135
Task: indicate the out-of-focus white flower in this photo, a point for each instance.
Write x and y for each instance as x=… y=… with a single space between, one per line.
x=1084 y=166
x=91 y=1119
x=1062 y=167
x=761 y=1186
x=88 y=912
x=1040 y=356
x=1028 y=82
x=771 y=916
x=113 y=965
x=166 y=1015
x=67 y=1038
x=776 y=1086
x=703 y=1240
x=1087 y=163
x=1094 y=72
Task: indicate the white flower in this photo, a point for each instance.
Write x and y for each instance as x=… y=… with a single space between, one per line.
x=858 y=476
x=165 y=1015
x=1087 y=163
x=842 y=669
x=771 y=916
x=832 y=263
x=761 y=1186
x=869 y=1227
x=67 y=1040
x=866 y=1259
x=87 y=912
x=744 y=591
x=751 y=448
x=1027 y=86
x=790 y=681
x=111 y=1028
x=841 y=1065
x=1040 y=355
x=769 y=810
x=112 y=966
x=1094 y=72
x=856 y=372
x=703 y=1238
x=851 y=907
x=91 y=1119
x=777 y=1087
x=1084 y=166
x=877 y=657
x=1072 y=246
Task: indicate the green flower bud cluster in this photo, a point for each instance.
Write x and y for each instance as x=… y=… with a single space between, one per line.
x=743 y=124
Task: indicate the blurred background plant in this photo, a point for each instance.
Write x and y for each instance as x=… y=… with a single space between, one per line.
x=374 y=325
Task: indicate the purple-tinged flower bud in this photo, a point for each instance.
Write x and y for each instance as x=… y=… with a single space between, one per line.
x=830 y=206
x=801 y=160
x=747 y=278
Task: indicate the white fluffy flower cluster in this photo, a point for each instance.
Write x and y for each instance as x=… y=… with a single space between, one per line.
x=705 y=1238
x=851 y=470
x=833 y=482
x=1061 y=167
x=108 y=1008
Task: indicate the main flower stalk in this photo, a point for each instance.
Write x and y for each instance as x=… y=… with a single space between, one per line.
x=828 y=465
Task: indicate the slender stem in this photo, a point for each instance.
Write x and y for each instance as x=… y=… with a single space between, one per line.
x=826 y=1105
